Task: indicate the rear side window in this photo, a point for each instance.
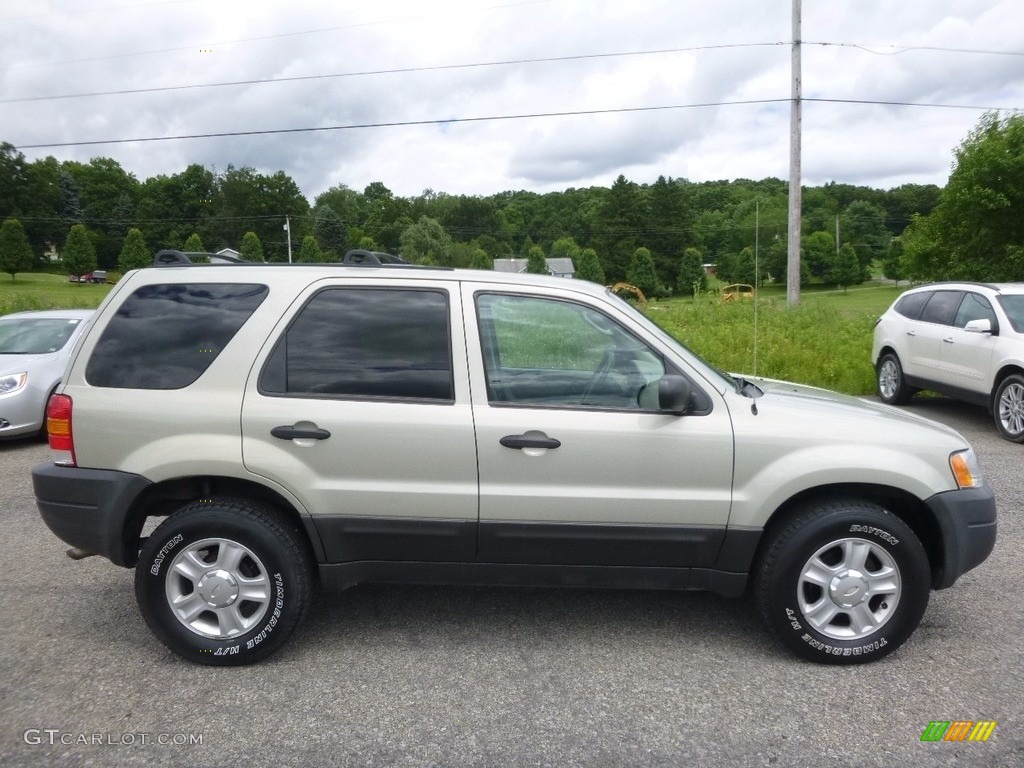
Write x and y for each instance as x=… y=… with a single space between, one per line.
x=941 y=307
x=912 y=304
x=366 y=343
x=166 y=336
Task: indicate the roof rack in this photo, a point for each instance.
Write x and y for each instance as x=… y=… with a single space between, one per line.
x=363 y=258
x=169 y=256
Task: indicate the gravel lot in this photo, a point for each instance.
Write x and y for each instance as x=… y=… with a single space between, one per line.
x=417 y=676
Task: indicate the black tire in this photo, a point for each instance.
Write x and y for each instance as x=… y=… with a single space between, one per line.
x=1008 y=408
x=224 y=582
x=890 y=382
x=842 y=582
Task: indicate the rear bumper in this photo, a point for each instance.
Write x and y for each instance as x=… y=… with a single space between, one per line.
x=91 y=509
x=967 y=522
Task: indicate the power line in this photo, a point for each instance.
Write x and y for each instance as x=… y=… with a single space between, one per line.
x=399 y=124
x=496 y=118
x=400 y=70
x=897 y=50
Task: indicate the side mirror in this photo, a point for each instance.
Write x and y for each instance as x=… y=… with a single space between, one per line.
x=983 y=325
x=674 y=394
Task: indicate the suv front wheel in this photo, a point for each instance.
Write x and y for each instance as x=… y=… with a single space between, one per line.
x=223 y=582
x=1009 y=408
x=842 y=582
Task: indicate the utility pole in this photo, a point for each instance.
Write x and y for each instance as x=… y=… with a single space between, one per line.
x=288 y=229
x=795 y=190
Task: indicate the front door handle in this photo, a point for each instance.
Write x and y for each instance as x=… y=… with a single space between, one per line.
x=525 y=441
x=300 y=433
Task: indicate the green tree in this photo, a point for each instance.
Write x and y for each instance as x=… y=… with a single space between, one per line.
x=194 y=244
x=480 y=260
x=15 y=251
x=426 y=242
x=536 y=264
x=691 y=278
x=589 y=267
x=845 y=269
x=642 y=272
x=329 y=229
x=818 y=252
x=863 y=227
x=310 y=250
x=565 y=248
x=134 y=253
x=79 y=255
x=251 y=249
x=978 y=224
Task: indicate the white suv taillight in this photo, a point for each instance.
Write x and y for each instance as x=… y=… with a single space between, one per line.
x=58 y=427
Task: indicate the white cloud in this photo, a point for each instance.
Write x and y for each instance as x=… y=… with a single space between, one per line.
x=860 y=144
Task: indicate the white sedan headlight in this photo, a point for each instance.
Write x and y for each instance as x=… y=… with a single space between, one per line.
x=12 y=382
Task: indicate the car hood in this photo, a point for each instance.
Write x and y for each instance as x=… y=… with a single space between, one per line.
x=19 y=363
x=826 y=407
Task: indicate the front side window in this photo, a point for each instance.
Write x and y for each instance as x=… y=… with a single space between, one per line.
x=974 y=307
x=366 y=343
x=166 y=336
x=545 y=352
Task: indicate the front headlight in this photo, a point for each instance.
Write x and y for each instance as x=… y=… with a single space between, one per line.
x=12 y=382
x=966 y=469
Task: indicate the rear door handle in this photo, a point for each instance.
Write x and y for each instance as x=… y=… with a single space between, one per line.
x=300 y=433
x=522 y=441
x=948 y=339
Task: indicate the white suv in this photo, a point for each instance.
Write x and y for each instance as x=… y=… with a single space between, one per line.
x=288 y=424
x=965 y=340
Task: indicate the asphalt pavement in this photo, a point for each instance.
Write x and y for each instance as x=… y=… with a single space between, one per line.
x=438 y=676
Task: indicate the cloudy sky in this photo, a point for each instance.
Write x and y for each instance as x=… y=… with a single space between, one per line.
x=481 y=96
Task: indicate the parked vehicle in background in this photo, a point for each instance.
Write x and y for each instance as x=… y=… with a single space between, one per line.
x=34 y=351
x=96 y=276
x=963 y=340
x=286 y=424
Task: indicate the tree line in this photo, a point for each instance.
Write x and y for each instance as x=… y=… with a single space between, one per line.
x=656 y=236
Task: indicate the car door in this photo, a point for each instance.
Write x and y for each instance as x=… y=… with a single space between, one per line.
x=927 y=337
x=359 y=408
x=967 y=355
x=577 y=465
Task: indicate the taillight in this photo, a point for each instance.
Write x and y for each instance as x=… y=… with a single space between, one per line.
x=58 y=427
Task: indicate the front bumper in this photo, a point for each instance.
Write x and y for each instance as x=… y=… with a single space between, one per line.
x=967 y=523
x=91 y=509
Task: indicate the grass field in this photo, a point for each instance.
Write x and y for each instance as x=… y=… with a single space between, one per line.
x=39 y=290
x=826 y=341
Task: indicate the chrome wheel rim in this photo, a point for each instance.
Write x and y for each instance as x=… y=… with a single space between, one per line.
x=849 y=589
x=888 y=379
x=1011 y=409
x=218 y=588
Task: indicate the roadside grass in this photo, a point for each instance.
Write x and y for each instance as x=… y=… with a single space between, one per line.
x=825 y=342
x=40 y=290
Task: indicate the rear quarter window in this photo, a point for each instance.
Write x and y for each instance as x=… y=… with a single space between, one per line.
x=166 y=336
x=912 y=304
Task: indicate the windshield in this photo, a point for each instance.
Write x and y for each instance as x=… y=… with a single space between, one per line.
x=668 y=338
x=36 y=335
x=1013 y=306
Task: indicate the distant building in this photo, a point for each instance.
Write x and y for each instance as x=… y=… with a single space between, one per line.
x=231 y=252
x=556 y=267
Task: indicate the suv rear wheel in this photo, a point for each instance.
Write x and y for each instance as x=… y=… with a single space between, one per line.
x=842 y=582
x=223 y=582
x=892 y=387
x=1009 y=408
